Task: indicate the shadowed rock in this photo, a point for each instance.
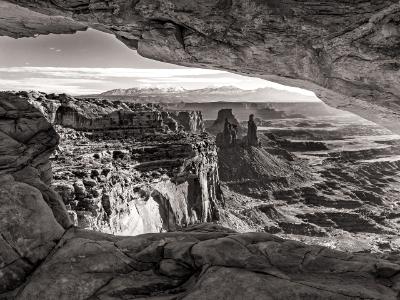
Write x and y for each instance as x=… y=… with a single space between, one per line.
x=39 y=259
x=117 y=168
x=252 y=139
x=199 y=264
x=345 y=51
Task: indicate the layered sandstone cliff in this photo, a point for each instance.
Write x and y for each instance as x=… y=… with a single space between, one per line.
x=127 y=186
x=43 y=257
x=120 y=168
x=191 y=121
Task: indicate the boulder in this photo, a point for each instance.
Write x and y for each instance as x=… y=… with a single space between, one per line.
x=66 y=191
x=28 y=231
x=89 y=182
x=28 y=139
x=80 y=189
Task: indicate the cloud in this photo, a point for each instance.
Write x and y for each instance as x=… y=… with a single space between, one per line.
x=94 y=80
x=109 y=72
x=222 y=80
x=52 y=85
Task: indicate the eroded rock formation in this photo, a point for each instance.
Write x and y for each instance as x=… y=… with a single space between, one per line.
x=191 y=121
x=119 y=168
x=205 y=262
x=347 y=52
x=219 y=124
x=17 y=22
x=41 y=258
x=27 y=141
x=252 y=139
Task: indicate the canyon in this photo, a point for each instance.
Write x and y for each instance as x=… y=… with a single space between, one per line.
x=126 y=168
x=327 y=180
x=45 y=257
x=346 y=52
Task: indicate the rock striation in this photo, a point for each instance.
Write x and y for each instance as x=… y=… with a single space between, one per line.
x=191 y=121
x=120 y=169
x=252 y=138
x=126 y=186
x=205 y=262
x=219 y=124
x=319 y=184
x=294 y=146
x=18 y=22
x=345 y=51
x=41 y=258
x=28 y=140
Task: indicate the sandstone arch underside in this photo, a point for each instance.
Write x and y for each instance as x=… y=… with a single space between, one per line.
x=347 y=52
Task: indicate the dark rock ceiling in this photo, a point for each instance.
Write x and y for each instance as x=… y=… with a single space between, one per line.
x=348 y=52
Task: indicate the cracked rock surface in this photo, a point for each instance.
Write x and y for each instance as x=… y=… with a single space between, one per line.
x=345 y=51
x=43 y=257
x=205 y=262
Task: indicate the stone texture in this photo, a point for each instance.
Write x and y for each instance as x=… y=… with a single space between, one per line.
x=347 y=52
x=191 y=121
x=119 y=167
x=252 y=139
x=17 y=22
x=28 y=139
x=28 y=231
x=219 y=124
x=160 y=183
x=199 y=264
x=40 y=260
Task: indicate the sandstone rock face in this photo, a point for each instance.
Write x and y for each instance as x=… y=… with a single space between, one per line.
x=39 y=259
x=120 y=168
x=219 y=123
x=32 y=216
x=28 y=138
x=27 y=141
x=205 y=263
x=123 y=117
x=17 y=22
x=191 y=121
x=28 y=231
x=297 y=146
x=347 y=52
x=133 y=186
x=106 y=115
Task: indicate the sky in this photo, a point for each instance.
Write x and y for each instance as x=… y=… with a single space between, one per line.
x=93 y=62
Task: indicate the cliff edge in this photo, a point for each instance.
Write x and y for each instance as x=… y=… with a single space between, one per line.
x=44 y=257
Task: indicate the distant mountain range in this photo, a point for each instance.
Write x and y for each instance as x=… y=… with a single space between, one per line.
x=210 y=94
x=139 y=91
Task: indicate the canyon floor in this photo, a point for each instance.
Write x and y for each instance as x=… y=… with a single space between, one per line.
x=339 y=184
x=330 y=180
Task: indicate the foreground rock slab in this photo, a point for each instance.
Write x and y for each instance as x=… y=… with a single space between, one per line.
x=205 y=262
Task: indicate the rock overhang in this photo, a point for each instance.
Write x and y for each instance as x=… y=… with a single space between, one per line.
x=347 y=53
